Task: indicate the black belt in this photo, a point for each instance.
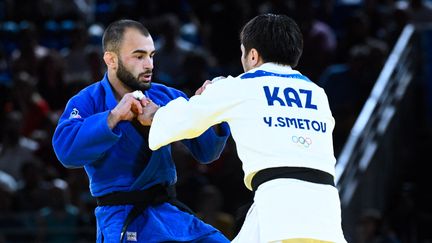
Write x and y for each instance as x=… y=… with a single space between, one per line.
x=153 y=195
x=141 y=200
x=300 y=173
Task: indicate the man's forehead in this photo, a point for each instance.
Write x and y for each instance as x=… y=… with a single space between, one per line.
x=133 y=41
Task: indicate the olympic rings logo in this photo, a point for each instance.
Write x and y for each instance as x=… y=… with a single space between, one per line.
x=306 y=142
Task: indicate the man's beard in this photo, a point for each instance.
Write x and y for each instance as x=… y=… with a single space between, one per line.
x=129 y=80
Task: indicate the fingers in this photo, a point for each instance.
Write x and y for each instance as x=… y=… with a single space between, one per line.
x=130 y=102
x=199 y=91
x=136 y=107
x=218 y=78
x=207 y=82
x=146 y=117
x=145 y=102
x=203 y=87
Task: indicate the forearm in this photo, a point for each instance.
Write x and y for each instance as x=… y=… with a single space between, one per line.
x=180 y=120
x=77 y=142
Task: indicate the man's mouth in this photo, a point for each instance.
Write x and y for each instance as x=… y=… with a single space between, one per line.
x=146 y=77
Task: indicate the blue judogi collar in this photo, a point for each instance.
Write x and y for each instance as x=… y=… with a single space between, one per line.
x=110 y=99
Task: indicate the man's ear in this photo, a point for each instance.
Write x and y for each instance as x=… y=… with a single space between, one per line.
x=110 y=59
x=254 y=58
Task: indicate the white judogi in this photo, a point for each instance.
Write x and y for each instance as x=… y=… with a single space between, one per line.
x=278 y=118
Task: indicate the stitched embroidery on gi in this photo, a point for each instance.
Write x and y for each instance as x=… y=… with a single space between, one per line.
x=131 y=236
x=74 y=113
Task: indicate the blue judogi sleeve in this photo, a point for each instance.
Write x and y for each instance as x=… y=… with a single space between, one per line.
x=200 y=146
x=79 y=141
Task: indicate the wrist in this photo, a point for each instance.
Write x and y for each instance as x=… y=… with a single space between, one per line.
x=112 y=119
x=153 y=113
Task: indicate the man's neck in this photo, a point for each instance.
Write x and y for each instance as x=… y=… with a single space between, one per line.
x=118 y=87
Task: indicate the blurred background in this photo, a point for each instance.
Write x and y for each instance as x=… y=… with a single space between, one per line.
x=373 y=58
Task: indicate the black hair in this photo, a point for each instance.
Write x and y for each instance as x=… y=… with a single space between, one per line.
x=113 y=34
x=277 y=38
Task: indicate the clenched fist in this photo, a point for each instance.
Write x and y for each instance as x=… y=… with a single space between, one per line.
x=127 y=109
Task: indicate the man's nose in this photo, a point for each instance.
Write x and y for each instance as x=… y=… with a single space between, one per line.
x=148 y=63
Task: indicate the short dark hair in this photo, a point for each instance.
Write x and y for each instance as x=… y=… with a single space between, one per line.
x=277 y=38
x=113 y=34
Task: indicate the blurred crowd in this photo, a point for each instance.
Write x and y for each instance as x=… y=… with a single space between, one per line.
x=51 y=49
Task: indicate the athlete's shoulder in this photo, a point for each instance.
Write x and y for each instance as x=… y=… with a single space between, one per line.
x=91 y=91
x=88 y=97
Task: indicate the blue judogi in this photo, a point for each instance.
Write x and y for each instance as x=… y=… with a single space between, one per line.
x=120 y=160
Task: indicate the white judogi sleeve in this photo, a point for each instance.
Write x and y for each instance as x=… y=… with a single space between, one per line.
x=182 y=119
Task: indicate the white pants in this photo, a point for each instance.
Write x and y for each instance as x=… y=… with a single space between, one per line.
x=286 y=209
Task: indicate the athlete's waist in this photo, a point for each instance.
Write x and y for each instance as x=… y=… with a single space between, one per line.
x=154 y=195
x=299 y=173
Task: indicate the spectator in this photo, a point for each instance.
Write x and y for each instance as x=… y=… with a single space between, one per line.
x=171 y=51
x=33 y=191
x=348 y=85
x=319 y=40
x=50 y=79
x=58 y=221
x=35 y=110
x=15 y=149
x=27 y=57
x=357 y=32
x=10 y=221
x=420 y=11
x=78 y=59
